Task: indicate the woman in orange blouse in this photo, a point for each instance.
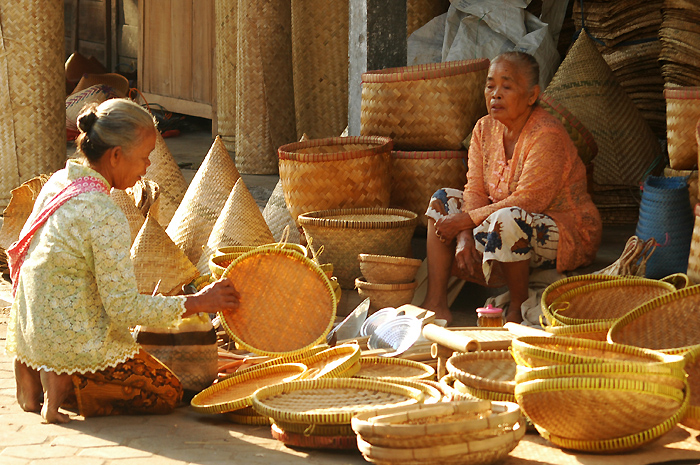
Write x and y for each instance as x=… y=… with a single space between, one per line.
x=525 y=203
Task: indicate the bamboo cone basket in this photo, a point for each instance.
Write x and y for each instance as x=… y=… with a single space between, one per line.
x=32 y=92
x=133 y=215
x=264 y=87
x=226 y=15
x=319 y=58
x=165 y=172
x=682 y=114
x=278 y=218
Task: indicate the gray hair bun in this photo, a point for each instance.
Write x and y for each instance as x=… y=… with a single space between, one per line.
x=87 y=120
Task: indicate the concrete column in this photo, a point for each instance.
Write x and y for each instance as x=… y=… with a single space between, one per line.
x=377 y=40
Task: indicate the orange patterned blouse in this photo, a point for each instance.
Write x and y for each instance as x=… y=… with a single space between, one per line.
x=545 y=175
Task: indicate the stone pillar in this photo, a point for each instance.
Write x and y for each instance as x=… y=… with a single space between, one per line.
x=377 y=40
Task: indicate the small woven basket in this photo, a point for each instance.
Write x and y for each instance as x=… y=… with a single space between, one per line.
x=489 y=370
x=382 y=269
x=383 y=367
x=415 y=176
x=338 y=172
x=332 y=363
x=345 y=233
x=385 y=295
x=682 y=114
x=424 y=107
x=693 y=270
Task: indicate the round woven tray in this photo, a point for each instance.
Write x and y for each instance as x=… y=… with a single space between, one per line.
x=475 y=393
x=382 y=269
x=313 y=441
x=329 y=401
x=595 y=331
x=315 y=430
x=623 y=443
x=332 y=362
x=345 y=233
x=431 y=395
x=236 y=391
x=338 y=172
x=448 y=384
x=295 y=357
x=535 y=351
x=383 y=367
x=246 y=418
x=424 y=107
x=488 y=370
x=279 y=290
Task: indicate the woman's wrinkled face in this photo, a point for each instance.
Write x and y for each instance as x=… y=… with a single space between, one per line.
x=508 y=95
x=133 y=162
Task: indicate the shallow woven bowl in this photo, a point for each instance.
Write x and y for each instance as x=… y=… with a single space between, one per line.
x=599 y=409
x=219 y=263
x=431 y=394
x=595 y=331
x=313 y=441
x=489 y=370
x=385 y=295
x=346 y=233
x=383 y=367
x=333 y=362
x=382 y=269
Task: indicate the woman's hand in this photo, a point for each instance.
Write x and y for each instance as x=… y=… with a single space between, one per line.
x=438 y=206
x=466 y=255
x=220 y=296
x=448 y=227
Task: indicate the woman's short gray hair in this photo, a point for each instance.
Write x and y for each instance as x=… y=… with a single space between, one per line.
x=525 y=61
x=118 y=122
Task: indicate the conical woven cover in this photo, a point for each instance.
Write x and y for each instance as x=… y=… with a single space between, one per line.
x=277 y=216
x=19 y=209
x=146 y=196
x=226 y=12
x=240 y=223
x=586 y=86
x=205 y=198
x=157 y=258
x=32 y=92
x=133 y=214
x=165 y=172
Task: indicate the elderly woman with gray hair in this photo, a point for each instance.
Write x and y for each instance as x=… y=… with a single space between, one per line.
x=75 y=289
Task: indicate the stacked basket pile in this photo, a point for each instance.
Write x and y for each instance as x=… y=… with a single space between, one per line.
x=488 y=374
x=598 y=397
x=387 y=281
x=428 y=111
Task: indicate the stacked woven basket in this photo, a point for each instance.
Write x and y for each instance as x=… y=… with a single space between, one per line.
x=387 y=281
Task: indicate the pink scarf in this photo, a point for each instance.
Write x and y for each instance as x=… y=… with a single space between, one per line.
x=18 y=250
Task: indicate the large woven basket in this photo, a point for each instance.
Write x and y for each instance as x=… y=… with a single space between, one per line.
x=346 y=233
x=682 y=114
x=491 y=370
x=226 y=15
x=338 y=172
x=383 y=269
x=415 y=176
x=694 y=254
x=279 y=289
x=667 y=324
x=424 y=107
x=385 y=295
x=692 y=180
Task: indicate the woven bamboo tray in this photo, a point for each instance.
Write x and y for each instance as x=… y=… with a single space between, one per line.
x=279 y=289
x=472 y=392
x=329 y=401
x=246 y=416
x=667 y=324
x=623 y=443
x=383 y=269
x=682 y=114
x=447 y=383
x=431 y=395
x=605 y=301
x=534 y=351
x=595 y=331
x=478 y=451
x=294 y=357
x=338 y=172
x=385 y=295
x=416 y=176
x=381 y=367
x=484 y=370
x=331 y=363
x=236 y=391
x=315 y=430
x=424 y=107
x=345 y=233
x=344 y=442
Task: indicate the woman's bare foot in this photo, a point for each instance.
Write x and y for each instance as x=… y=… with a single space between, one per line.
x=56 y=390
x=29 y=392
x=441 y=312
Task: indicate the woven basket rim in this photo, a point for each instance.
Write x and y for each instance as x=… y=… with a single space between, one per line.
x=477 y=381
x=571 y=279
x=313 y=430
x=291 y=358
x=650 y=306
x=333 y=417
x=376 y=145
x=250 y=420
x=682 y=93
x=428 y=371
x=199 y=403
x=431 y=394
x=314 y=441
x=560 y=329
x=313 y=267
x=402 y=261
x=360 y=283
x=583 y=369
x=459 y=386
x=350 y=352
x=316 y=218
x=430 y=155
x=425 y=71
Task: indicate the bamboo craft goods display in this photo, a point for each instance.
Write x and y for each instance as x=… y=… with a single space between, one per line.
x=682 y=114
x=415 y=176
x=264 y=85
x=345 y=233
x=32 y=92
x=279 y=289
x=424 y=107
x=167 y=174
x=206 y=196
x=226 y=20
x=338 y=172
x=381 y=367
x=385 y=295
x=655 y=325
x=320 y=61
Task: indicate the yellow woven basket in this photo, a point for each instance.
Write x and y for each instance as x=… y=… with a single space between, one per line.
x=490 y=370
x=383 y=269
x=384 y=367
x=682 y=114
x=332 y=362
x=424 y=107
x=338 y=172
